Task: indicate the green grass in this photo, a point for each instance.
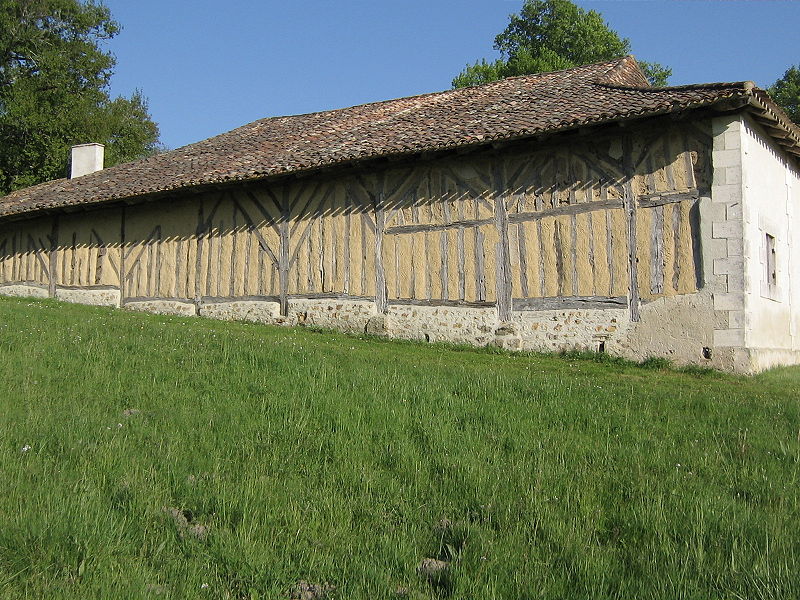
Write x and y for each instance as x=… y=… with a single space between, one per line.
x=330 y=458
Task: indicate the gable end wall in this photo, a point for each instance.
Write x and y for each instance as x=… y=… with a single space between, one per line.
x=756 y=192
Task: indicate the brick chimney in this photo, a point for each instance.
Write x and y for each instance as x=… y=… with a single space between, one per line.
x=86 y=158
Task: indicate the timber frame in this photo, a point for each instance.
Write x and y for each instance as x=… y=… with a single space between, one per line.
x=517 y=227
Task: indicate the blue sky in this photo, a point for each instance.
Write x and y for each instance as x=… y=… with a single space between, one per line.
x=207 y=67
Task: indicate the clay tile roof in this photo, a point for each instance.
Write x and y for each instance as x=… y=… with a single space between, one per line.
x=511 y=108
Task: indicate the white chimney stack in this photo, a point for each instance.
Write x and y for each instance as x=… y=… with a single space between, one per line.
x=86 y=158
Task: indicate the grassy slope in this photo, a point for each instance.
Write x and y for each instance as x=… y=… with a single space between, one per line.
x=324 y=457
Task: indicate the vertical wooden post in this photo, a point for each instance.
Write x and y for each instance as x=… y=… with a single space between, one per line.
x=73 y=263
x=503 y=276
x=347 y=241
x=198 y=257
x=157 y=277
x=629 y=203
x=558 y=242
x=53 y=259
x=122 y=273
x=381 y=293
x=657 y=251
x=523 y=260
x=232 y=283
x=283 y=257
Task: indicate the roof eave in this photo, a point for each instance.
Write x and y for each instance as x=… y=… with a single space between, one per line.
x=775 y=122
x=763 y=109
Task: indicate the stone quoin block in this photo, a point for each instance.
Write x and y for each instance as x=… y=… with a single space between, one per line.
x=729 y=337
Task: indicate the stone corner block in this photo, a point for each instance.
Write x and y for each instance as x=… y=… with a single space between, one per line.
x=733 y=211
x=722 y=125
x=728 y=301
x=733 y=175
x=733 y=139
x=728 y=266
x=730 y=338
x=735 y=247
x=726 y=193
x=727 y=158
x=727 y=229
x=736 y=319
x=736 y=281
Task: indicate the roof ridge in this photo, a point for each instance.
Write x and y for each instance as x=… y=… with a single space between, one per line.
x=613 y=63
x=744 y=85
x=622 y=71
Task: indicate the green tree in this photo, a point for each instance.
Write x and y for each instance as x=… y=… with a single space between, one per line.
x=549 y=35
x=54 y=77
x=786 y=93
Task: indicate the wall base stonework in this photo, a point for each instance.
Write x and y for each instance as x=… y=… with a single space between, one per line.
x=345 y=315
x=91 y=296
x=558 y=330
x=255 y=311
x=24 y=290
x=457 y=324
x=163 y=307
x=687 y=340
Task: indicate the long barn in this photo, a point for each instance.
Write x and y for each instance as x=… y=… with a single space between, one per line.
x=574 y=209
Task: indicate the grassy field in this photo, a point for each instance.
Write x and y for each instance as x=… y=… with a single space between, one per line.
x=157 y=457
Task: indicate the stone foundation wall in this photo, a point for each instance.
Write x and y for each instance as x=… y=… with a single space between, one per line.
x=687 y=340
x=101 y=296
x=24 y=290
x=255 y=311
x=345 y=315
x=163 y=307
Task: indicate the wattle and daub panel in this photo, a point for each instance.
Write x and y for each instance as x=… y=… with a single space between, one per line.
x=220 y=245
x=517 y=229
x=24 y=253
x=565 y=218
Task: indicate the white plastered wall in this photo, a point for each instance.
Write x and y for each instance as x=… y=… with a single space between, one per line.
x=771 y=205
x=755 y=192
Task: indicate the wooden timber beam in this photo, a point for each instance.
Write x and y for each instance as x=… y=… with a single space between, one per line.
x=503 y=277
x=53 y=258
x=629 y=201
x=283 y=255
x=381 y=292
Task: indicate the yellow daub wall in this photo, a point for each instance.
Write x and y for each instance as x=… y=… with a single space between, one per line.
x=25 y=252
x=549 y=222
x=88 y=249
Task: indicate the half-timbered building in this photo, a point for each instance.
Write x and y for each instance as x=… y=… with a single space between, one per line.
x=575 y=209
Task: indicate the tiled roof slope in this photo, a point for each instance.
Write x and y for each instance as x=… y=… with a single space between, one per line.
x=511 y=108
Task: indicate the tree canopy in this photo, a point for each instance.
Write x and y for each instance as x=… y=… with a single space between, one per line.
x=786 y=93
x=54 y=78
x=549 y=35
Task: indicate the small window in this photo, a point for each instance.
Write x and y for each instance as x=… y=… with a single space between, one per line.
x=770 y=267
